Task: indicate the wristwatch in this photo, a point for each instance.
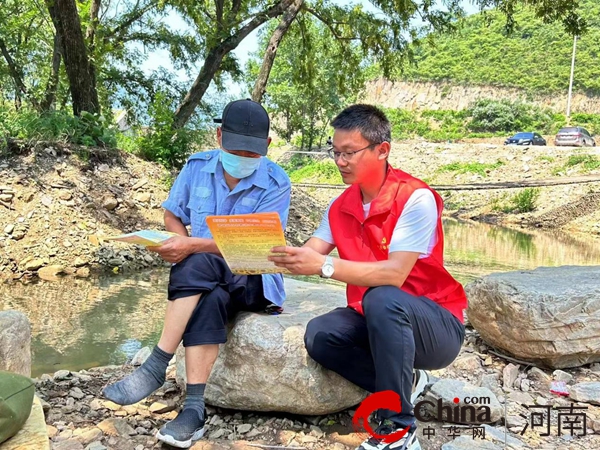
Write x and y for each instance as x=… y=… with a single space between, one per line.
x=327 y=267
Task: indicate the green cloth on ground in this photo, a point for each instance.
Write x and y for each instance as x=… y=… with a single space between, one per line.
x=16 y=398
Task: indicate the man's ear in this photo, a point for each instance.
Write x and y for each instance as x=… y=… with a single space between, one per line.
x=269 y=141
x=384 y=150
x=219 y=135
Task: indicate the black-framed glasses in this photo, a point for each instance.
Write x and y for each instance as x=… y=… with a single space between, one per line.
x=346 y=156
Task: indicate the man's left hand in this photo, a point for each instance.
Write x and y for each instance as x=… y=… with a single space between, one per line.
x=174 y=249
x=298 y=260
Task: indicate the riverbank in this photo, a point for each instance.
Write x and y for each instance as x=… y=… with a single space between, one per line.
x=78 y=417
x=55 y=197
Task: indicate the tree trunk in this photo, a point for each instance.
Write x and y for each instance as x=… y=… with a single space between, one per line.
x=52 y=85
x=214 y=58
x=284 y=24
x=20 y=88
x=65 y=17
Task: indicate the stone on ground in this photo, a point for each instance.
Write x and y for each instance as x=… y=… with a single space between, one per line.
x=15 y=339
x=549 y=316
x=265 y=367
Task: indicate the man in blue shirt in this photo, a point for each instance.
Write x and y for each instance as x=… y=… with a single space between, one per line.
x=204 y=295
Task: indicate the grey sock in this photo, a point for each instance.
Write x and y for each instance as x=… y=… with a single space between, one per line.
x=142 y=382
x=191 y=418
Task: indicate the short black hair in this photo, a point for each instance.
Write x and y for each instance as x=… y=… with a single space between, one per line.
x=368 y=119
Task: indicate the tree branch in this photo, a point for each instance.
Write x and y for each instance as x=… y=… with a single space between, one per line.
x=328 y=25
x=219 y=13
x=133 y=16
x=53 y=78
x=213 y=60
x=14 y=73
x=284 y=24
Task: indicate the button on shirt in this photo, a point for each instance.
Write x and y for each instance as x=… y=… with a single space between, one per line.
x=200 y=190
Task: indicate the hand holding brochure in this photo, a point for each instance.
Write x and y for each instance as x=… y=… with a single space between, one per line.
x=246 y=240
x=148 y=238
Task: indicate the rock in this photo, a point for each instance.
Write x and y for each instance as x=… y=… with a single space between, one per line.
x=87 y=435
x=467 y=443
x=82 y=272
x=15 y=340
x=266 y=355
x=76 y=393
x=141 y=356
x=96 y=446
x=50 y=273
x=116 y=427
x=244 y=428
x=509 y=375
x=143 y=197
x=549 y=316
x=539 y=375
x=586 y=392
x=46 y=200
x=162 y=408
x=62 y=375
x=560 y=375
x=449 y=390
x=491 y=382
x=469 y=363
x=69 y=444
x=65 y=195
x=34 y=264
x=109 y=203
x=497 y=435
x=79 y=262
x=9 y=228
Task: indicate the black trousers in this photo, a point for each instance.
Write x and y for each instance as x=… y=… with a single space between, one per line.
x=379 y=350
x=223 y=295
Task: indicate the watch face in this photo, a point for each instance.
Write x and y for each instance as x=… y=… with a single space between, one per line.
x=327 y=270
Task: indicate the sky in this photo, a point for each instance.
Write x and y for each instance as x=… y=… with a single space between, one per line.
x=243 y=52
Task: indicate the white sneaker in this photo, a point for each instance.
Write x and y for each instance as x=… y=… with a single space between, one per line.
x=420 y=380
x=407 y=442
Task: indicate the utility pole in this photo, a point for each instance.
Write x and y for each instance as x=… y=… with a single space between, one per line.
x=571 y=82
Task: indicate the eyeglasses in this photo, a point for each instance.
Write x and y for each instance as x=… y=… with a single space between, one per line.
x=346 y=156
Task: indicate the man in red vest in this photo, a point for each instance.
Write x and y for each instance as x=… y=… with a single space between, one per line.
x=405 y=311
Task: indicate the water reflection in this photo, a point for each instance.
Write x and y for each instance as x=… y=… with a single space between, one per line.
x=79 y=323
x=476 y=249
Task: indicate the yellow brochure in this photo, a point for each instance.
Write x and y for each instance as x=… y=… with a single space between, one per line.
x=245 y=241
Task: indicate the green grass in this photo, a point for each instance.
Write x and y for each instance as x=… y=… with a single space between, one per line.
x=470 y=167
x=589 y=162
x=304 y=169
x=523 y=201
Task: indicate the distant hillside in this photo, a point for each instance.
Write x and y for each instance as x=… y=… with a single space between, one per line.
x=535 y=57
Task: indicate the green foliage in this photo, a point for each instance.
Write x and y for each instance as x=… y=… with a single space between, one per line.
x=588 y=162
x=525 y=200
x=534 y=56
x=87 y=130
x=470 y=167
x=507 y=116
x=521 y=202
x=305 y=169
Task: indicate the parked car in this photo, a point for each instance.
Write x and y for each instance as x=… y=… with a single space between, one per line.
x=525 y=139
x=574 y=137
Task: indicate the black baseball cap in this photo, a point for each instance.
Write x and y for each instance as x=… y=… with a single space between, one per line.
x=245 y=126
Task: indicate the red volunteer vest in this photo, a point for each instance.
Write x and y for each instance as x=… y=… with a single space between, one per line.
x=360 y=239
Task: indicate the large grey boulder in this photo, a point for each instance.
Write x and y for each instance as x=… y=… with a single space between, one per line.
x=15 y=343
x=549 y=316
x=264 y=365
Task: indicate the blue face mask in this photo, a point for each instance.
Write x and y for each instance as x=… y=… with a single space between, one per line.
x=239 y=166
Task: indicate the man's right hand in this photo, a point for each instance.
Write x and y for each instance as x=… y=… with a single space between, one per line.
x=174 y=249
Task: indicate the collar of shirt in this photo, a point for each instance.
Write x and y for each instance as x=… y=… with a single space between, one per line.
x=260 y=177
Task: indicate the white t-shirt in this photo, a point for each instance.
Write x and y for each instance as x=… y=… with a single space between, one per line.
x=414 y=231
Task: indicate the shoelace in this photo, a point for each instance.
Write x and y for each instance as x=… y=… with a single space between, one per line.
x=385 y=427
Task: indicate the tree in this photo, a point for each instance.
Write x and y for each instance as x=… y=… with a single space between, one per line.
x=225 y=29
x=79 y=69
x=284 y=24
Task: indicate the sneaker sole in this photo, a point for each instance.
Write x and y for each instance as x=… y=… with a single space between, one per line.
x=420 y=387
x=167 y=439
